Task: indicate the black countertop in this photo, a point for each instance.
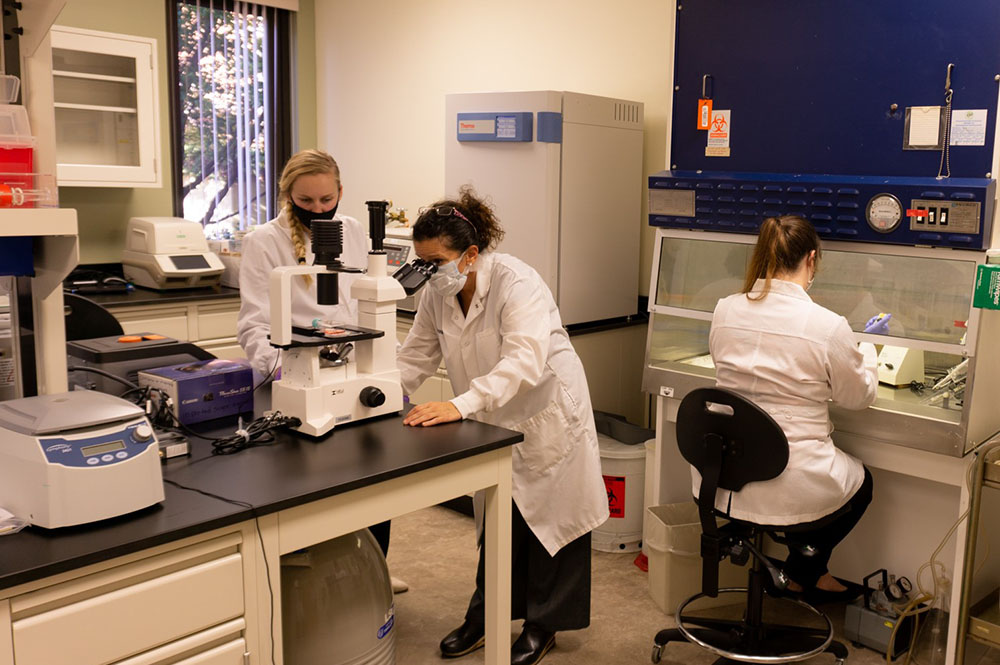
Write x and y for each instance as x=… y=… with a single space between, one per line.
x=292 y=471
x=141 y=296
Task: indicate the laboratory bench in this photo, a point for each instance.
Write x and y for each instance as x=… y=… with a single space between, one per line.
x=196 y=579
x=205 y=316
x=143 y=296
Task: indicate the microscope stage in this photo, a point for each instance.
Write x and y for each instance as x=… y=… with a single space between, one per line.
x=314 y=337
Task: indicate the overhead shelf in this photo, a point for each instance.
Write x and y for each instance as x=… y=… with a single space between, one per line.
x=93 y=77
x=94 y=107
x=32 y=222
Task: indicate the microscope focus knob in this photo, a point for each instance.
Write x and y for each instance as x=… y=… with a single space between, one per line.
x=372 y=397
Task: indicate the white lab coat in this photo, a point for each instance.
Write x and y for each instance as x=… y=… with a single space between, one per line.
x=511 y=364
x=270 y=246
x=791 y=356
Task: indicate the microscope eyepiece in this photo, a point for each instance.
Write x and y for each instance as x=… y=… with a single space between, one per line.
x=327 y=242
x=327 y=245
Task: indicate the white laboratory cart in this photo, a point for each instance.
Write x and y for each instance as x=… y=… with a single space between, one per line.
x=564 y=172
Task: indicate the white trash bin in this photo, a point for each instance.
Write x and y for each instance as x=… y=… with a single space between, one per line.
x=673 y=542
x=624 y=470
x=648 y=499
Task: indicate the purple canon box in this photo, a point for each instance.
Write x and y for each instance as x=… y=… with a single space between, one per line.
x=205 y=389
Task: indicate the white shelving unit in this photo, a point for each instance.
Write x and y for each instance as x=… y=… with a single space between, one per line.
x=105 y=100
x=56 y=252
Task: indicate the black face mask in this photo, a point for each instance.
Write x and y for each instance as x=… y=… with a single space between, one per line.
x=307 y=216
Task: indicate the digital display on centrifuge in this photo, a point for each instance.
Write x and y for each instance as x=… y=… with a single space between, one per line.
x=102 y=448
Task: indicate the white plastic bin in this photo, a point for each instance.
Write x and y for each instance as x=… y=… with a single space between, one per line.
x=624 y=470
x=648 y=499
x=673 y=543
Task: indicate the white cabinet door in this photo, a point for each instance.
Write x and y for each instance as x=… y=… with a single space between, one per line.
x=106 y=109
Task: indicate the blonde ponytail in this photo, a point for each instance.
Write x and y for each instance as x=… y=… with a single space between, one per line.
x=299 y=239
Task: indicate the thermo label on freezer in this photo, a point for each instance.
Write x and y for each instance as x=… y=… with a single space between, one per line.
x=496 y=126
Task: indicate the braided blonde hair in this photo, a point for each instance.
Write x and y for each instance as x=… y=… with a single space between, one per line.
x=304 y=162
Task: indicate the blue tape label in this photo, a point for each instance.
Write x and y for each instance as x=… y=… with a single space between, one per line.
x=387 y=626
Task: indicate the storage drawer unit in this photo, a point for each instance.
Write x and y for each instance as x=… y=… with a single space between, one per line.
x=127 y=610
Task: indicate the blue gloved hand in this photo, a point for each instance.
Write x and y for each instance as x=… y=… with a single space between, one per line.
x=878 y=324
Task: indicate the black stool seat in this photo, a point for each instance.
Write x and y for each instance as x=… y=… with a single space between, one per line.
x=732 y=442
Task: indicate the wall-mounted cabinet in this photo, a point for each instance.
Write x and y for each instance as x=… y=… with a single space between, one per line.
x=105 y=92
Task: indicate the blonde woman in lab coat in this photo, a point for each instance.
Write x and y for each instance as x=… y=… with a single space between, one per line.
x=309 y=189
x=776 y=347
x=510 y=361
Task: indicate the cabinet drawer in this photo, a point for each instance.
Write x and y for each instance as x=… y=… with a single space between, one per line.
x=135 y=618
x=221 y=645
x=216 y=321
x=229 y=349
x=170 y=322
x=226 y=654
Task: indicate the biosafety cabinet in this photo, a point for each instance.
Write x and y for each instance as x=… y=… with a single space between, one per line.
x=946 y=398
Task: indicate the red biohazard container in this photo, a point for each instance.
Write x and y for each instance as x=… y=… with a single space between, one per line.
x=17 y=156
x=624 y=470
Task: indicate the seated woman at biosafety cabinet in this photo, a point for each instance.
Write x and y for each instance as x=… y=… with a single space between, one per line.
x=776 y=347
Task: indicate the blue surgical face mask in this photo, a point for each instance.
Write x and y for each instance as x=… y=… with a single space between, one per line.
x=449 y=280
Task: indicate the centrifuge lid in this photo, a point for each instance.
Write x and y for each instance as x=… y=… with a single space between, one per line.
x=62 y=412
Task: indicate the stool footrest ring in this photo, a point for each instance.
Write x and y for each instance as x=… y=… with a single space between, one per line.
x=769 y=642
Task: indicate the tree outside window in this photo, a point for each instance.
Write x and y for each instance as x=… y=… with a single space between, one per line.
x=230 y=129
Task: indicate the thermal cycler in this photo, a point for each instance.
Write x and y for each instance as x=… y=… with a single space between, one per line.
x=169 y=253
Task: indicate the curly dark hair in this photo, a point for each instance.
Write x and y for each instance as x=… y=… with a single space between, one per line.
x=479 y=227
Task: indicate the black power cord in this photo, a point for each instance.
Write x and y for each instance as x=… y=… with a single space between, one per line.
x=259 y=432
x=260 y=539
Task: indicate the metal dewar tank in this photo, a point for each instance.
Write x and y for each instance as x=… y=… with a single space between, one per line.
x=336 y=604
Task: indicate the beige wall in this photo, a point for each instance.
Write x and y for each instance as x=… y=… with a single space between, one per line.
x=104 y=211
x=383 y=69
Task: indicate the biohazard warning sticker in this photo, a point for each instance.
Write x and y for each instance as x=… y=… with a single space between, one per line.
x=615 y=485
x=718 y=135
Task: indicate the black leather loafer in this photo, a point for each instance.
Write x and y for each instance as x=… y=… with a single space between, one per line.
x=532 y=645
x=465 y=639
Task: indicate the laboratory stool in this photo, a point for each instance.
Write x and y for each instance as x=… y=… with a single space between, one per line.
x=732 y=442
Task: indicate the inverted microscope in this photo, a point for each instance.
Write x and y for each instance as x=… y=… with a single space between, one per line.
x=335 y=373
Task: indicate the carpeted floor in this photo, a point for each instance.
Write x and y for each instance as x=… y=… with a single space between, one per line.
x=434 y=551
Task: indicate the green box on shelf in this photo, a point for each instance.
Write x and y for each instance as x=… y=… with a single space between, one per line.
x=987 y=292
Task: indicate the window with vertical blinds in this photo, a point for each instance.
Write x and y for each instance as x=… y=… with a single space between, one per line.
x=230 y=102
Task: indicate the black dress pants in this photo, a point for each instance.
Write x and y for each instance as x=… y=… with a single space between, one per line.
x=825 y=537
x=381 y=533
x=551 y=592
